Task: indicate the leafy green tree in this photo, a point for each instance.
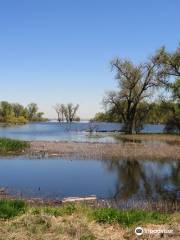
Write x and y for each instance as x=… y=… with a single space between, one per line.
x=17 y=109
x=6 y=111
x=15 y=113
x=134 y=85
x=176 y=90
x=168 y=62
x=25 y=113
x=32 y=109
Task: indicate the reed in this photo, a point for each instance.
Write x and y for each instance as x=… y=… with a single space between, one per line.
x=127 y=150
x=10 y=146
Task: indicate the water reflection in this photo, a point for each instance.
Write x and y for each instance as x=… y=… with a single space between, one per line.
x=150 y=180
x=119 y=180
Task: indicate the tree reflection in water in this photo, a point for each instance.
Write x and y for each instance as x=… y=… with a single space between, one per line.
x=145 y=180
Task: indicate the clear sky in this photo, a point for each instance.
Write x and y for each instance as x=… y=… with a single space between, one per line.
x=59 y=50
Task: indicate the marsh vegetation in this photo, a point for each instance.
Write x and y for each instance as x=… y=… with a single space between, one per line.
x=10 y=146
x=77 y=221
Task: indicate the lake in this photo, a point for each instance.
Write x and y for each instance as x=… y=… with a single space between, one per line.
x=69 y=131
x=55 y=178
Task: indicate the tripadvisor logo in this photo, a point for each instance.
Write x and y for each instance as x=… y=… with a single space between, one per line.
x=139 y=231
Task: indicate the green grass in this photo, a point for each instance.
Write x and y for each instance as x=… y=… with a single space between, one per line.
x=11 y=208
x=66 y=209
x=88 y=237
x=128 y=217
x=12 y=146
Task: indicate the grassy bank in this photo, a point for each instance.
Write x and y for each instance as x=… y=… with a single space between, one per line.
x=10 y=146
x=75 y=221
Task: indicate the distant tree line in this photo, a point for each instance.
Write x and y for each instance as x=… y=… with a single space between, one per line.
x=66 y=112
x=131 y=104
x=17 y=113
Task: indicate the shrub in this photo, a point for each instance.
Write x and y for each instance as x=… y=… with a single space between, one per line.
x=11 y=208
x=16 y=120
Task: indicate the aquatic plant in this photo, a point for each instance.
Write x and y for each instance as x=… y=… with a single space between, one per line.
x=12 y=146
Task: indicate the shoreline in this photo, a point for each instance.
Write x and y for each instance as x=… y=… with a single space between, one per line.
x=92 y=200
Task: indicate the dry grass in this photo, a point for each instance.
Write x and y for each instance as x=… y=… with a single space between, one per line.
x=163 y=138
x=77 y=226
x=127 y=150
x=47 y=227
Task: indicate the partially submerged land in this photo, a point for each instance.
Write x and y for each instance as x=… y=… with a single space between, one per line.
x=132 y=147
x=75 y=221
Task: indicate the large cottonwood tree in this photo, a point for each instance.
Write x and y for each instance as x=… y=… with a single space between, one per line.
x=135 y=83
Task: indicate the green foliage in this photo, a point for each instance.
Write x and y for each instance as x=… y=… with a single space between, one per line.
x=173 y=124
x=16 y=120
x=169 y=62
x=17 y=114
x=11 y=208
x=128 y=217
x=6 y=110
x=32 y=110
x=103 y=117
x=129 y=104
x=133 y=87
x=88 y=237
x=176 y=90
x=66 y=209
x=154 y=113
x=12 y=146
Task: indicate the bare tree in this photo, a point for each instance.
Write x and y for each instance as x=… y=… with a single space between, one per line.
x=67 y=112
x=60 y=110
x=70 y=112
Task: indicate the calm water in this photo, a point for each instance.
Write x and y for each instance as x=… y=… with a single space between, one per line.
x=68 y=132
x=121 y=180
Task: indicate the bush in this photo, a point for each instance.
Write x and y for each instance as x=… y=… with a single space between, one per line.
x=10 y=145
x=128 y=217
x=16 y=120
x=11 y=208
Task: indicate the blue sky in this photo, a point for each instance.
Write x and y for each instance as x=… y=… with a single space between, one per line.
x=59 y=50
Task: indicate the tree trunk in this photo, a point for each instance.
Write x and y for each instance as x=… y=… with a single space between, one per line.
x=128 y=128
x=130 y=122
